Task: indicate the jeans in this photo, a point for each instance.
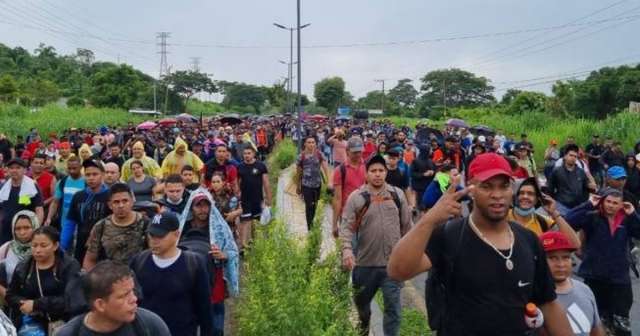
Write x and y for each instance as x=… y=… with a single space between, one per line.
x=366 y=282
x=311 y=197
x=217 y=310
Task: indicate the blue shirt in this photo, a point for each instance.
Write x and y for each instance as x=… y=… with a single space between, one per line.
x=71 y=186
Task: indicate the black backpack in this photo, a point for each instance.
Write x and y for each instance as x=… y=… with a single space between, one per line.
x=437 y=283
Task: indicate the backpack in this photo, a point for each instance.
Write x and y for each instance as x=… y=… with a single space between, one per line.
x=303 y=157
x=436 y=286
x=367 y=202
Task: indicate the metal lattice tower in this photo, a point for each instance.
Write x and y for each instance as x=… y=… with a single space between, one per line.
x=162 y=43
x=195 y=63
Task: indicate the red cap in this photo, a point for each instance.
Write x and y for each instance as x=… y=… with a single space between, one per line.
x=199 y=197
x=555 y=240
x=488 y=165
x=64 y=145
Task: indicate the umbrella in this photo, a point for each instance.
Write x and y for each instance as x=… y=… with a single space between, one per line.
x=344 y=118
x=317 y=117
x=482 y=129
x=167 y=122
x=186 y=117
x=231 y=119
x=147 y=125
x=458 y=123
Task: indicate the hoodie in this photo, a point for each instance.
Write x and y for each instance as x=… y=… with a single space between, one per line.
x=606 y=249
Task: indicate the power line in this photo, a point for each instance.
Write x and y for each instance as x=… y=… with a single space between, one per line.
x=347 y=45
x=543 y=34
x=525 y=51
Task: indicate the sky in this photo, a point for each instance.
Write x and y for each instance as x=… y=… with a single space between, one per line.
x=516 y=44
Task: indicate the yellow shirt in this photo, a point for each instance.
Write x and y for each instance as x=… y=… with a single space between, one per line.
x=532 y=224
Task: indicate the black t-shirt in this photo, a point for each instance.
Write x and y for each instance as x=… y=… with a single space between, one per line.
x=486 y=298
x=251 y=180
x=397 y=179
x=146 y=319
x=12 y=206
x=117 y=160
x=594 y=150
x=86 y=210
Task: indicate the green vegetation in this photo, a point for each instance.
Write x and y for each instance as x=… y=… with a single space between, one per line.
x=16 y=119
x=285 y=289
x=413 y=322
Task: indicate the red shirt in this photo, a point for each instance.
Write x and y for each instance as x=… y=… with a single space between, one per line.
x=369 y=150
x=355 y=177
x=218 y=290
x=44 y=184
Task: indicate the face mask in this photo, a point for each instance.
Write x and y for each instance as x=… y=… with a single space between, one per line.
x=524 y=213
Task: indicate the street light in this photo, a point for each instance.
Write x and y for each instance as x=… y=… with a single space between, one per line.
x=299 y=29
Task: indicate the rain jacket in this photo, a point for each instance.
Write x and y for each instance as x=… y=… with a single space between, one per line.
x=149 y=165
x=174 y=162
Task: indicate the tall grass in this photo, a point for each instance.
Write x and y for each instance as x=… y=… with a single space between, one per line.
x=541 y=128
x=15 y=120
x=285 y=289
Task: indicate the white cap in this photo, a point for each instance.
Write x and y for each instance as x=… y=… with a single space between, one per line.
x=482 y=138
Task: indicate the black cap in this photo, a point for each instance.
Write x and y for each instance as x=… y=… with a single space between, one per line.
x=451 y=138
x=17 y=161
x=163 y=223
x=376 y=159
x=93 y=163
x=395 y=151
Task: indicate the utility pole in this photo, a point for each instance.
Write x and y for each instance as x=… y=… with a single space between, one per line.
x=383 y=100
x=444 y=96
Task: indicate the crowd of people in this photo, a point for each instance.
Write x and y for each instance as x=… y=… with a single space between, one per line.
x=144 y=223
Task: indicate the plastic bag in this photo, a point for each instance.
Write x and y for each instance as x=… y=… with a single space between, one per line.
x=265 y=216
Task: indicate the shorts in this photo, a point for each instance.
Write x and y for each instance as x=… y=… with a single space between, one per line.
x=251 y=209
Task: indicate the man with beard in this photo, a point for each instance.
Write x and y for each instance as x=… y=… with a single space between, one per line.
x=501 y=268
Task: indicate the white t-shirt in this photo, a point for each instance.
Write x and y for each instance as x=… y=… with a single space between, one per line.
x=164 y=263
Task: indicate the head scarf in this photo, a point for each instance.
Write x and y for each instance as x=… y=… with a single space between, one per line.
x=22 y=249
x=219 y=234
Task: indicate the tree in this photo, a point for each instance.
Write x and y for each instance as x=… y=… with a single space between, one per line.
x=188 y=83
x=528 y=101
x=404 y=93
x=456 y=87
x=8 y=88
x=371 y=101
x=38 y=92
x=509 y=96
x=117 y=86
x=243 y=95
x=329 y=93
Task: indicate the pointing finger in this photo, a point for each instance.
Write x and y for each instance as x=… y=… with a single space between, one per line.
x=462 y=193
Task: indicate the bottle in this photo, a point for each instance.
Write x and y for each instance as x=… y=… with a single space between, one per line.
x=533 y=317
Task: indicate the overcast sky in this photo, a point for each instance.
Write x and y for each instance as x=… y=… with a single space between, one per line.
x=513 y=43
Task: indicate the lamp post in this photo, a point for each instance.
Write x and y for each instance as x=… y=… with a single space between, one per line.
x=299 y=29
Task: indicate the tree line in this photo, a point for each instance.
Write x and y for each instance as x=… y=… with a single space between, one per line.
x=44 y=76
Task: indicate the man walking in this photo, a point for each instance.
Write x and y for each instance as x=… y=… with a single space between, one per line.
x=255 y=192
x=347 y=177
x=175 y=283
x=486 y=284
x=66 y=187
x=378 y=214
x=568 y=184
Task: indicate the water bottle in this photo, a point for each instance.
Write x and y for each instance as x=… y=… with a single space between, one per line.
x=533 y=317
x=233 y=203
x=30 y=327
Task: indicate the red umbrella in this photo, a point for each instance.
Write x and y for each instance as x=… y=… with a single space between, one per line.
x=167 y=122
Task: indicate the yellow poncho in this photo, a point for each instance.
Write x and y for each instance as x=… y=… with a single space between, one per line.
x=150 y=166
x=174 y=162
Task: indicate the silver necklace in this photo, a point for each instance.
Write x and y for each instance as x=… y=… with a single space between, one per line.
x=508 y=263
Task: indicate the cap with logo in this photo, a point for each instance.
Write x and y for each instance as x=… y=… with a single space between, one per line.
x=556 y=240
x=488 y=165
x=162 y=224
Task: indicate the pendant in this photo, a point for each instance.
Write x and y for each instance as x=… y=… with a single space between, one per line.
x=509 y=264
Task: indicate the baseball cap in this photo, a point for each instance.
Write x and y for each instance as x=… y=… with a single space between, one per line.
x=355 y=144
x=488 y=165
x=199 y=197
x=616 y=173
x=162 y=224
x=65 y=145
x=17 y=161
x=482 y=138
x=395 y=151
x=555 y=240
x=93 y=163
x=376 y=159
